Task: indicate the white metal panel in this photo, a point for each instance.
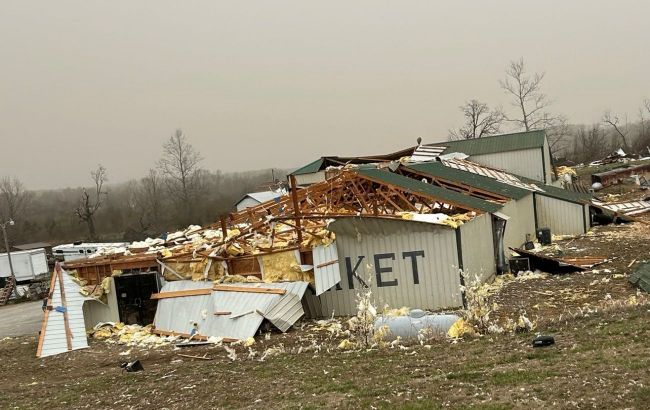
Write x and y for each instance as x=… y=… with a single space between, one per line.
x=329 y=275
x=288 y=309
x=308 y=179
x=96 y=311
x=521 y=222
x=22 y=264
x=247 y=202
x=527 y=162
x=247 y=310
x=477 y=241
x=562 y=217
x=54 y=337
x=39 y=261
x=392 y=247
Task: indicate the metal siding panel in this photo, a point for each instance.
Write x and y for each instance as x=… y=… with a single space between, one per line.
x=521 y=222
x=527 y=163
x=438 y=275
x=39 y=261
x=54 y=340
x=562 y=217
x=178 y=314
x=478 y=248
x=327 y=276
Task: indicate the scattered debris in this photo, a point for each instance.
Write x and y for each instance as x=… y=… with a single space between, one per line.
x=641 y=276
x=131 y=367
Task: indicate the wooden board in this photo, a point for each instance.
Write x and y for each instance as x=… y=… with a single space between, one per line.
x=181 y=293
x=246 y=289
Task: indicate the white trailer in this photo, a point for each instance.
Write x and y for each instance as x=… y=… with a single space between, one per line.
x=27 y=264
x=72 y=251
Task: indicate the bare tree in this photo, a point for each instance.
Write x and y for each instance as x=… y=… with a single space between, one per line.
x=591 y=143
x=527 y=96
x=14 y=198
x=613 y=121
x=180 y=167
x=146 y=202
x=88 y=206
x=480 y=121
x=557 y=132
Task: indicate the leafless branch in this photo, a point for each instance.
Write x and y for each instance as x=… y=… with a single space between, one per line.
x=480 y=121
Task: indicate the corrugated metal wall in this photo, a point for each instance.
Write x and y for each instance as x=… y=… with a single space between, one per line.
x=564 y=218
x=478 y=248
x=527 y=162
x=393 y=248
x=521 y=222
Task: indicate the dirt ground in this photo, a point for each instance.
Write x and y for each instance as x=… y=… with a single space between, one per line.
x=601 y=358
x=599 y=361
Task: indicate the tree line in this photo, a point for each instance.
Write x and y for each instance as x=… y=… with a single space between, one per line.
x=531 y=109
x=175 y=193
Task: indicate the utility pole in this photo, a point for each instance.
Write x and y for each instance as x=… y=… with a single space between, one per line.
x=11 y=266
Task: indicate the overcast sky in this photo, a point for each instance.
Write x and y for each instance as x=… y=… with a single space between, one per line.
x=278 y=83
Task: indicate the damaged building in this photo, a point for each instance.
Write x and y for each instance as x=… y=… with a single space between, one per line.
x=413 y=226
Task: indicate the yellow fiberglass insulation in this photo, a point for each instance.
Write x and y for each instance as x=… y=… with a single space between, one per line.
x=283 y=266
x=194 y=270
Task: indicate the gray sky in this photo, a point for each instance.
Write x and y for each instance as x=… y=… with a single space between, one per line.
x=278 y=83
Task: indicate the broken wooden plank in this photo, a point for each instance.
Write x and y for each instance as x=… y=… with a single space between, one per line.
x=189 y=356
x=245 y=289
x=322 y=265
x=222 y=313
x=187 y=335
x=181 y=293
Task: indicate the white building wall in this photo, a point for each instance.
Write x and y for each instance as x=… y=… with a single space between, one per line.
x=562 y=217
x=96 y=312
x=527 y=163
x=479 y=262
x=308 y=179
x=521 y=222
x=246 y=203
x=391 y=247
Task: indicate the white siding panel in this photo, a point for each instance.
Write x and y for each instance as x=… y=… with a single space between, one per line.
x=391 y=247
x=54 y=338
x=39 y=261
x=478 y=248
x=527 y=163
x=562 y=217
x=327 y=276
x=521 y=222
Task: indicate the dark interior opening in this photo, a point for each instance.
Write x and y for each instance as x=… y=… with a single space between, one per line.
x=134 y=297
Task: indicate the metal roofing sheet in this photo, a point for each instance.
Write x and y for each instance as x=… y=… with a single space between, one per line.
x=628 y=208
x=496 y=143
x=326 y=267
x=441 y=194
x=427 y=152
x=439 y=170
x=246 y=310
x=493 y=173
